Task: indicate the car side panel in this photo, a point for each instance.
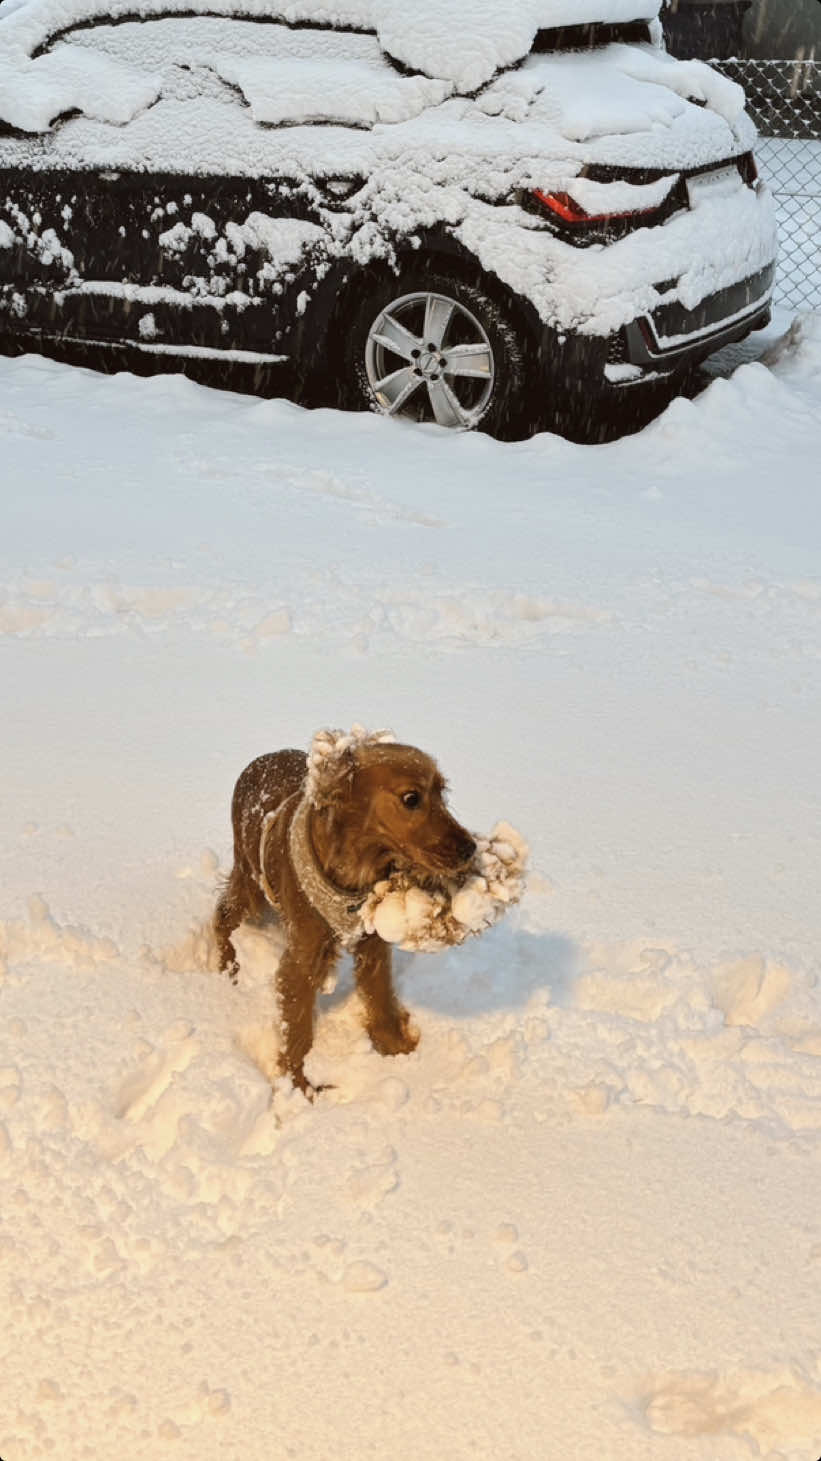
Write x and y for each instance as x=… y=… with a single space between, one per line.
x=222 y=263
x=48 y=222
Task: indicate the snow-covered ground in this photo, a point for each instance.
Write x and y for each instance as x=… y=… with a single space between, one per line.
x=583 y=1219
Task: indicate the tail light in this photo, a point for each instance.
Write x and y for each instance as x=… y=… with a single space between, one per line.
x=569 y=211
x=559 y=209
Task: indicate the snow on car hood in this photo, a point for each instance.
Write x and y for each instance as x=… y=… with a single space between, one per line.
x=463 y=42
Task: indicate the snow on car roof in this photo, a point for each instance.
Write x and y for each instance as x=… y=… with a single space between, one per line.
x=464 y=42
x=216 y=92
x=221 y=94
x=467 y=41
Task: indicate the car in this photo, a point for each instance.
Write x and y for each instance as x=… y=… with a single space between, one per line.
x=501 y=215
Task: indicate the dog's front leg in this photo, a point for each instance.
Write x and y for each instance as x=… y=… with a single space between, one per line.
x=386 y=1020
x=300 y=975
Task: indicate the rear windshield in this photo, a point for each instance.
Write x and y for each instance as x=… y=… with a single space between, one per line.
x=594 y=33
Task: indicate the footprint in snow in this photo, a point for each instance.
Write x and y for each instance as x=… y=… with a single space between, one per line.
x=363 y=1277
x=367 y=1186
x=506 y=1235
x=141 y=1090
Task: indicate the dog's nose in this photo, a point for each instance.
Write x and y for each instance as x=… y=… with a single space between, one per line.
x=467 y=847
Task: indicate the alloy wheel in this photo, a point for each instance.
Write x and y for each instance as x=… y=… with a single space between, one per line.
x=427 y=356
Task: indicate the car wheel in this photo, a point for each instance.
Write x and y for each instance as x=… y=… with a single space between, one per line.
x=436 y=350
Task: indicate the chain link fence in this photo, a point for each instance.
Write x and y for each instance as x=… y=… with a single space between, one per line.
x=784 y=100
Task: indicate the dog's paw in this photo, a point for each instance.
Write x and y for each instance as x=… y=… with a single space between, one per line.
x=395 y=1039
x=300 y=1082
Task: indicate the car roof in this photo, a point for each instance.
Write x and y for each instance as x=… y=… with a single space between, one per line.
x=464 y=42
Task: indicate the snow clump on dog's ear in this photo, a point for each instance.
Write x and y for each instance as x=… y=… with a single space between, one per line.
x=331 y=760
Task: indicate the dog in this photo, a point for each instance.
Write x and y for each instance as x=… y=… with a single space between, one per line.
x=312 y=843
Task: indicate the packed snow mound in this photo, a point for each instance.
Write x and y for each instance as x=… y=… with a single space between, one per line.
x=464 y=42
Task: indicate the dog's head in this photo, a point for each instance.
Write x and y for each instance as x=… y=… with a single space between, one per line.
x=386 y=804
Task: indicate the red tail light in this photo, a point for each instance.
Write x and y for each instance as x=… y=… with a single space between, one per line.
x=563 y=205
x=570 y=211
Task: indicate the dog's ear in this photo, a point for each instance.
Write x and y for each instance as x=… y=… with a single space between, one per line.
x=332 y=762
x=330 y=781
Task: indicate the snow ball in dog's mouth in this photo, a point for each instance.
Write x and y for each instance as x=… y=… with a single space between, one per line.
x=426 y=919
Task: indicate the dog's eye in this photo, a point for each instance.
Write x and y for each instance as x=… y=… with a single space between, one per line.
x=411 y=799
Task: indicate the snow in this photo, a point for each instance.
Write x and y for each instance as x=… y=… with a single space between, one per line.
x=284 y=240
x=583 y=1217
x=327 y=753
x=616 y=89
x=175 y=111
x=467 y=46
x=461 y=41
x=216 y=136
x=35 y=92
x=329 y=77
x=321 y=91
x=599 y=199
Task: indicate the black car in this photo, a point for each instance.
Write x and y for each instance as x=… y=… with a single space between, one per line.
x=489 y=234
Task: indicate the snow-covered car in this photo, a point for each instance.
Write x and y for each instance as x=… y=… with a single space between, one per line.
x=467 y=211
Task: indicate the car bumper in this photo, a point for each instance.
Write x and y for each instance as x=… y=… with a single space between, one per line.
x=673 y=338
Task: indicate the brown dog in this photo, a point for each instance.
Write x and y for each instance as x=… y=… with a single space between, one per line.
x=313 y=847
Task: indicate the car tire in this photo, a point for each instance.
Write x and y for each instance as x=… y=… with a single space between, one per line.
x=432 y=348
